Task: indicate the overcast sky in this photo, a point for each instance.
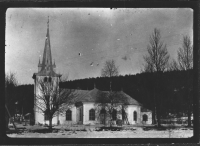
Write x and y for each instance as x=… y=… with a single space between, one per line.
x=98 y=34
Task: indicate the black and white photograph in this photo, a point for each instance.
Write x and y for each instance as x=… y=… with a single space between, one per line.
x=99 y=73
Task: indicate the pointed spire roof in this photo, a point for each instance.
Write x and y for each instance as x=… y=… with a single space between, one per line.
x=47 y=58
x=47 y=65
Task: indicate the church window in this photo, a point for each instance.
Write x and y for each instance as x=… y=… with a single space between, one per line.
x=81 y=114
x=49 y=79
x=92 y=115
x=46 y=117
x=45 y=79
x=145 y=117
x=68 y=115
x=135 y=116
x=114 y=115
x=123 y=114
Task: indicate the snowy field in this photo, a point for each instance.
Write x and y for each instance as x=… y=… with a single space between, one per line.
x=94 y=132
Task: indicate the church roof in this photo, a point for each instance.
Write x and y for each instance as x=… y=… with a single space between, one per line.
x=45 y=72
x=95 y=95
x=143 y=109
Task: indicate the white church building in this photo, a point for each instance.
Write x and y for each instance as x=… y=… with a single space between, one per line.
x=84 y=110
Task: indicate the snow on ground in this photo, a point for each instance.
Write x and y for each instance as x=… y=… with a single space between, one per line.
x=89 y=132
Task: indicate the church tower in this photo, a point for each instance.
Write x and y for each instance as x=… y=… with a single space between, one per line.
x=46 y=73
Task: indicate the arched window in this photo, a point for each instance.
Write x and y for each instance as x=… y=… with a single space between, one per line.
x=135 y=116
x=92 y=115
x=45 y=79
x=68 y=115
x=123 y=114
x=103 y=111
x=46 y=117
x=145 y=117
x=114 y=115
x=81 y=114
x=50 y=79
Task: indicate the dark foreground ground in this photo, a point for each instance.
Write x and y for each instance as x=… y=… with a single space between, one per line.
x=99 y=131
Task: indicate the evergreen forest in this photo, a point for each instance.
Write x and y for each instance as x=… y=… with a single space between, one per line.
x=171 y=90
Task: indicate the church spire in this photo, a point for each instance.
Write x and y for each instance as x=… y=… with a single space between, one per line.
x=47 y=58
x=46 y=66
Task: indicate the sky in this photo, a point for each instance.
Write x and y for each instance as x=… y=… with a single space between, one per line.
x=82 y=39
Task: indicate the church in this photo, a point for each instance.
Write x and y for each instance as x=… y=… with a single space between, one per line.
x=85 y=110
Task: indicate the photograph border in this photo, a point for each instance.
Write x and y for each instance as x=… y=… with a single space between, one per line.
x=105 y=4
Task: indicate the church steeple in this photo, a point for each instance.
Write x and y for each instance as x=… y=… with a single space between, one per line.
x=47 y=58
x=46 y=74
x=46 y=66
x=39 y=65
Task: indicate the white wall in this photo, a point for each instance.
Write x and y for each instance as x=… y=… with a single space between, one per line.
x=130 y=109
x=86 y=108
x=63 y=120
x=54 y=121
x=39 y=117
x=149 y=114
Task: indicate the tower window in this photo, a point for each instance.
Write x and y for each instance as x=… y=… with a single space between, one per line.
x=92 y=115
x=68 y=115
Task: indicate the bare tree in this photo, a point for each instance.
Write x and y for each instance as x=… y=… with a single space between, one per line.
x=112 y=102
x=185 y=62
x=156 y=61
x=10 y=86
x=157 y=58
x=110 y=69
x=173 y=66
x=185 y=54
x=109 y=101
x=53 y=100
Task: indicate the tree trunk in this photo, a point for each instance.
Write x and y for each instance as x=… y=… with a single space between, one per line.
x=104 y=120
x=7 y=121
x=189 y=100
x=50 y=123
x=189 y=119
x=158 y=119
x=189 y=115
x=111 y=120
x=158 y=111
x=154 y=115
x=157 y=99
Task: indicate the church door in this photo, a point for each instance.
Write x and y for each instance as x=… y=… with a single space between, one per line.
x=81 y=115
x=103 y=116
x=145 y=118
